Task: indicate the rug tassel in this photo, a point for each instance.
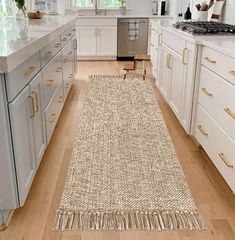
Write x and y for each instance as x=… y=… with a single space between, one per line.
x=138 y=220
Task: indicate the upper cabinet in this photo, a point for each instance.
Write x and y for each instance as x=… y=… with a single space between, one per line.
x=97 y=38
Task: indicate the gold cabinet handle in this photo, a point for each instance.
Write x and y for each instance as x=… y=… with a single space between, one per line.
x=209 y=60
x=160 y=40
x=60 y=99
x=184 y=56
x=169 y=56
x=64 y=39
x=74 y=29
x=50 y=82
x=32 y=114
x=52 y=118
x=232 y=73
x=57 y=45
x=59 y=69
x=70 y=53
x=36 y=103
x=202 y=130
x=67 y=85
x=29 y=70
x=152 y=45
x=71 y=75
x=70 y=34
x=229 y=112
x=222 y=156
x=206 y=92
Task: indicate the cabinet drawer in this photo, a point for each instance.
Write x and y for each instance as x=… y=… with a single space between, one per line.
x=217 y=96
x=17 y=79
x=174 y=42
x=47 y=53
x=217 y=144
x=219 y=63
x=52 y=78
x=53 y=111
x=67 y=35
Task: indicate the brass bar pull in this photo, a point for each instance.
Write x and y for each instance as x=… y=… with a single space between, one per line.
x=59 y=69
x=229 y=112
x=29 y=70
x=67 y=85
x=222 y=156
x=160 y=40
x=232 y=73
x=36 y=105
x=74 y=29
x=32 y=115
x=50 y=82
x=60 y=99
x=169 y=62
x=206 y=92
x=57 y=45
x=209 y=60
x=184 y=56
x=64 y=39
x=70 y=53
x=202 y=130
x=52 y=118
x=71 y=75
x=70 y=34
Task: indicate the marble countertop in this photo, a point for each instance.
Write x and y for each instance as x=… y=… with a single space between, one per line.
x=123 y=16
x=20 y=41
x=221 y=43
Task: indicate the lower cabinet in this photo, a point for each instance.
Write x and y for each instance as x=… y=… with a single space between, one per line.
x=28 y=133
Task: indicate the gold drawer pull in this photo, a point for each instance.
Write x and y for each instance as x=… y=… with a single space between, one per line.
x=222 y=156
x=70 y=53
x=202 y=130
x=70 y=34
x=74 y=29
x=209 y=60
x=36 y=101
x=160 y=40
x=229 y=112
x=206 y=92
x=50 y=82
x=29 y=70
x=184 y=56
x=232 y=73
x=52 y=118
x=64 y=39
x=60 y=99
x=70 y=75
x=59 y=69
x=67 y=85
x=168 y=61
x=57 y=45
x=152 y=45
x=32 y=115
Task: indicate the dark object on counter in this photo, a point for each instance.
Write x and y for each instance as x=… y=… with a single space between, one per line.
x=163 y=7
x=188 y=14
x=202 y=28
x=35 y=15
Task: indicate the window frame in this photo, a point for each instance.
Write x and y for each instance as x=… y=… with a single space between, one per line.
x=99 y=7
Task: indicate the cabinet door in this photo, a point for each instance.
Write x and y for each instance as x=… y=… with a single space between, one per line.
x=22 y=134
x=176 y=91
x=38 y=121
x=87 y=41
x=166 y=73
x=106 y=41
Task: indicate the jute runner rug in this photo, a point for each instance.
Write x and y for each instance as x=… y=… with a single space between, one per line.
x=124 y=172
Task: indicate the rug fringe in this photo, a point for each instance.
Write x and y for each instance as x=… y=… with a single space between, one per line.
x=135 y=220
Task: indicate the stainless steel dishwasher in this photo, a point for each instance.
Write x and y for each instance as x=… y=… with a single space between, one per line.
x=127 y=47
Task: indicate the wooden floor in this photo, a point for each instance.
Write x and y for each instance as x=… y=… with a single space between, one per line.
x=213 y=198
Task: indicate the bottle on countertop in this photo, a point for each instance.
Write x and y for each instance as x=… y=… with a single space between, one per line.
x=188 y=14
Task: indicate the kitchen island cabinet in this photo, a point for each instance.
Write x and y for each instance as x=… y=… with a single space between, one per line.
x=32 y=97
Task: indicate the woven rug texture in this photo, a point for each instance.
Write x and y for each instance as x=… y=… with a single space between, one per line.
x=124 y=173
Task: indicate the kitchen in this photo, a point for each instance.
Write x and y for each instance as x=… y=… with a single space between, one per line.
x=45 y=77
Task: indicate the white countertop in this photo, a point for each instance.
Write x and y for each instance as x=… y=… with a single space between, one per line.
x=221 y=43
x=15 y=48
x=123 y=16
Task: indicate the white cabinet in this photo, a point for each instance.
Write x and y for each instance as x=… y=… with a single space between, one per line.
x=28 y=131
x=87 y=41
x=106 y=41
x=21 y=114
x=97 y=38
x=39 y=134
x=178 y=62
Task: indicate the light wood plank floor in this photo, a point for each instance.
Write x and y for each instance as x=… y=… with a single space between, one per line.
x=215 y=201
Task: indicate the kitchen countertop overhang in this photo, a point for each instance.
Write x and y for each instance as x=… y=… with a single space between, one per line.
x=14 y=51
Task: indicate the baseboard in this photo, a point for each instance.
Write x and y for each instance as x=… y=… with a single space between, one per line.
x=7 y=215
x=97 y=58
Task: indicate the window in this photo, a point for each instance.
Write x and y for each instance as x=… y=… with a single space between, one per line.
x=100 y=3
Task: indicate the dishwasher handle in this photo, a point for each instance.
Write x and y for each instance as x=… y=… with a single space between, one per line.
x=128 y=21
